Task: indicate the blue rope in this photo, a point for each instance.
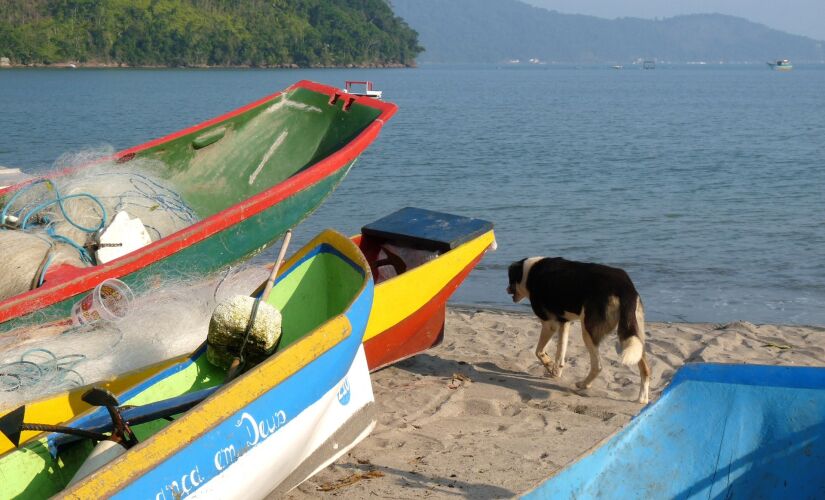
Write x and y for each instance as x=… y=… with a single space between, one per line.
x=152 y=194
x=85 y=256
x=59 y=200
x=26 y=213
x=45 y=267
x=164 y=198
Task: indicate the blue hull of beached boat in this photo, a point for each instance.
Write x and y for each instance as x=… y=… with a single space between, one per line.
x=718 y=431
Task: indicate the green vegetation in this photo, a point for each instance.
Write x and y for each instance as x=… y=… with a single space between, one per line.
x=273 y=33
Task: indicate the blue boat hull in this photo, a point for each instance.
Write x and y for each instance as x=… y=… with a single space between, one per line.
x=718 y=431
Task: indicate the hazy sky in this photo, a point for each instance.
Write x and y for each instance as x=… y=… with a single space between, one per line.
x=800 y=17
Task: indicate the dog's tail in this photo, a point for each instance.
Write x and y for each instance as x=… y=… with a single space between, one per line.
x=632 y=329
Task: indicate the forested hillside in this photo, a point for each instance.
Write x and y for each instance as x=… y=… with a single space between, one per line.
x=306 y=33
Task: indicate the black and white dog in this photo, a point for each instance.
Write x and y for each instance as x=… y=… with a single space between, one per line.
x=602 y=298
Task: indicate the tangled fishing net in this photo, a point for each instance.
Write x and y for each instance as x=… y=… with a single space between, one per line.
x=59 y=219
x=169 y=321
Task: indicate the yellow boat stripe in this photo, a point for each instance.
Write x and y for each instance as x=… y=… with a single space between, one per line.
x=396 y=299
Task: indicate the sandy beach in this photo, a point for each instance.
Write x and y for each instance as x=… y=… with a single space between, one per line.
x=477 y=417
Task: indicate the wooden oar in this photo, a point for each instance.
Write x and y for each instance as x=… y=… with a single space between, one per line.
x=237 y=362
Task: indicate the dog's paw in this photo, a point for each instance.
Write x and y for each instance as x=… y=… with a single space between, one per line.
x=551 y=369
x=554 y=370
x=643 y=400
x=583 y=384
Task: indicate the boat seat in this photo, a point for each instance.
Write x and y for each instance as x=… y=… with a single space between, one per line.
x=426 y=229
x=391 y=259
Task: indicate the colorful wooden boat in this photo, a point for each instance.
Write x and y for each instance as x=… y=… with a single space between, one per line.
x=418 y=259
x=718 y=431
x=249 y=175
x=266 y=430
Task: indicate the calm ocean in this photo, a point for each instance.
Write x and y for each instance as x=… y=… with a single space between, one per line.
x=704 y=182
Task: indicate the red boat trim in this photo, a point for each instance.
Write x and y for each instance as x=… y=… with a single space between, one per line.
x=417 y=332
x=90 y=277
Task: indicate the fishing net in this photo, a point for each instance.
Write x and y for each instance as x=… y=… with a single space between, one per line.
x=54 y=221
x=169 y=321
x=23 y=255
x=58 y=219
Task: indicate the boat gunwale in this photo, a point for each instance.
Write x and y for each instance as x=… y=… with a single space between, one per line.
x=86 y=278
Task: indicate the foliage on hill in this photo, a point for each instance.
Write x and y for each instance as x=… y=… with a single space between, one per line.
x=206 y=32
x=492 y=31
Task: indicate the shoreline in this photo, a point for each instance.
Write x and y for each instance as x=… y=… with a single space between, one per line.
x=720 y=324
x=476 y=417
x=96 y=65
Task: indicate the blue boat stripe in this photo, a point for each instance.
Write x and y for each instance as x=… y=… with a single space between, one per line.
x=101 y=412
x=270 y=412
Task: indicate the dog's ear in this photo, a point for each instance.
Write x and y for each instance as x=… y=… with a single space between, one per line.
x=516 y=271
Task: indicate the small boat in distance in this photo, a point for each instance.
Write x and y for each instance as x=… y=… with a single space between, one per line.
x=781 y=65
x=354 y=88
x=617 y=66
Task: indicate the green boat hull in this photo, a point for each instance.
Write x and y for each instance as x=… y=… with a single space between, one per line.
x=249 y=176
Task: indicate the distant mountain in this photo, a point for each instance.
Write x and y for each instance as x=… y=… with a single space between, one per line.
x=492 y=31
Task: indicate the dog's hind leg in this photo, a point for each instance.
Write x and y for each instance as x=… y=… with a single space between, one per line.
x=595 y=361
x=561 y=349
x=548 y=329
x=644 y=372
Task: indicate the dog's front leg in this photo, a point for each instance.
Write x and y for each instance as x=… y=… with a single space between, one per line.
x=561 y=350
x=548 y=329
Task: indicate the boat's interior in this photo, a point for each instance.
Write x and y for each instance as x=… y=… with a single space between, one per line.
x=245 y=153
x=717 y=431
x=232 y=160
x=389 y=259
x=411 y=237
x=43 y=467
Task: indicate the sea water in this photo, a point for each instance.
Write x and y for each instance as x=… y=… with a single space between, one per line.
x=704 y=182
